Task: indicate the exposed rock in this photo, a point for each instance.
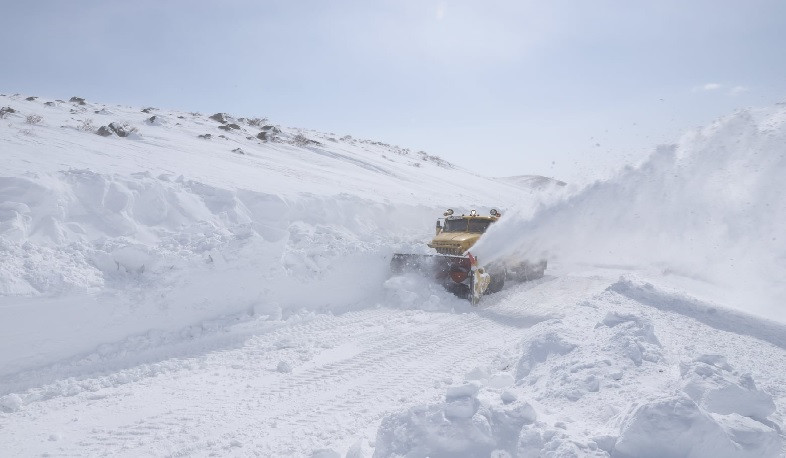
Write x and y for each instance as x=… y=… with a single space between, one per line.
x=262 y=136
x=271 y=129
x=147 y=110
x=425 y=157
x=78 y=100
x=115 y=128
x=238 y=151
x=220 y=117
x=227 y=128
x=205 y=136
x=121 y=131
x=31 y=98
x=34 y=119
x=104 y=131
x=302 y=140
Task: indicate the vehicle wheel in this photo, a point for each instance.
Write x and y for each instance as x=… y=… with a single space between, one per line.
x=498 y=278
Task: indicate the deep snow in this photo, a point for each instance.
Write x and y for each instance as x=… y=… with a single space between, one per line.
x=168 y=294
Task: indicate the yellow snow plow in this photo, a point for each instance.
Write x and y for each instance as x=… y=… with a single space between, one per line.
x=455 y=267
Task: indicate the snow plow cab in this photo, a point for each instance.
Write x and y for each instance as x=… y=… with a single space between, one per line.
x=455 y=267
x=457 y=235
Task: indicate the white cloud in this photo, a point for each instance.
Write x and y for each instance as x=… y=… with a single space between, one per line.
x=715 y=87
x=737 y=90
x=711 y=87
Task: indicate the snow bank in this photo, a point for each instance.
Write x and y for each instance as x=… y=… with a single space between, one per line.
x=165 y=253
x=709 y=208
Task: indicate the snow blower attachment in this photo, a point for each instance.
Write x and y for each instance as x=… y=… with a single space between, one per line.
x=455 y=267
x=458 y=274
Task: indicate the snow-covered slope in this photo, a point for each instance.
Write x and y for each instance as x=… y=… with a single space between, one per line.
x=164 y=293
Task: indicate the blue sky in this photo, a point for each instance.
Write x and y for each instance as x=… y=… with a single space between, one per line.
x=570 y=89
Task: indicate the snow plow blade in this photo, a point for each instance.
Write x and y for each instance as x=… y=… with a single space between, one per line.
x=439 y=265
x=457 y=274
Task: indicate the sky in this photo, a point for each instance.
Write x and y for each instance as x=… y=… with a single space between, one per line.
x=566 y=89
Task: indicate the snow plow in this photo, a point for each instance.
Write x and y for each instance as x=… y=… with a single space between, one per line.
x=455 y=267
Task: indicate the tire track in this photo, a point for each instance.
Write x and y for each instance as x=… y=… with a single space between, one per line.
x=348 y=394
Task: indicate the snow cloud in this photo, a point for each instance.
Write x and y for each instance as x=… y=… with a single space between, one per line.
x=709 y=208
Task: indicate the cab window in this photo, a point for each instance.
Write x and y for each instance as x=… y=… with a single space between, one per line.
x=455 y=225
x=479 y=225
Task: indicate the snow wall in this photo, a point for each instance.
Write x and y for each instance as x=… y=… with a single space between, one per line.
x=709 y=209
x=91 y=258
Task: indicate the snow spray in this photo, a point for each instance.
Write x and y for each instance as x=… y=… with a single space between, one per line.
x=710 y=207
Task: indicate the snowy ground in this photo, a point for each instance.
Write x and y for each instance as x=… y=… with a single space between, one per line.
x=162 y=294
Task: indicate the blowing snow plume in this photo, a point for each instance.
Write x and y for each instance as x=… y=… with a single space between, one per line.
x=710 y=208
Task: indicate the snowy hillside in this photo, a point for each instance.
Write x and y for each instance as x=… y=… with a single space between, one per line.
x=166 y=216
x=184 y=284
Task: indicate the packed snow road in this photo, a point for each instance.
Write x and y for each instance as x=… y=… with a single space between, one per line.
x=320 y=382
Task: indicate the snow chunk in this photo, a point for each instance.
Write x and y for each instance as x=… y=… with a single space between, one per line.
x=461 y=401
x=461 y=426
x=284 y=367
x=676 y=426
x=467 y=390
x=507 y=397
x=715 y=388
x=538 y=349
x=634 y=337
x=478 y=373
x=538 y=440
x=501 y=380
